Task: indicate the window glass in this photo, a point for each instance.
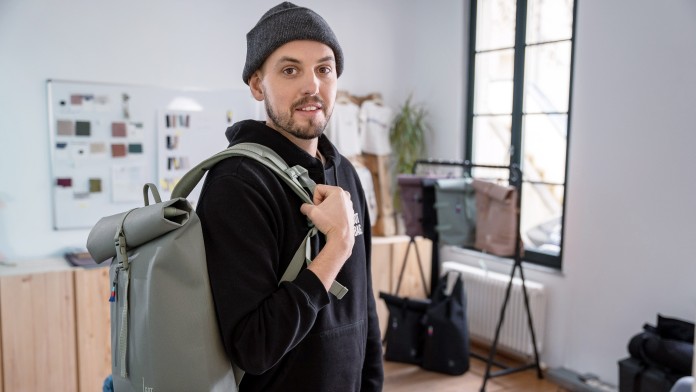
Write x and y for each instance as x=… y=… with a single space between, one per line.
x=494 y=73
x=540 y=224
x=491 y=140
x=544 y=145
x=549 y=20
x=495 y=27
x=547 y=77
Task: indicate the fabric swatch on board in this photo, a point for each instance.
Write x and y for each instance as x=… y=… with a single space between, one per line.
x=118 y=150
x=83 y=128
x=61 y=146
x=64 y=182
x=97 y=148
x=135 y=148
x=95 y=185
x=65 y=128
x=76 y=99
x=118 y=129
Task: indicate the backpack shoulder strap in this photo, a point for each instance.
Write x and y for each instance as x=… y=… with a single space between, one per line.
x=296 y=177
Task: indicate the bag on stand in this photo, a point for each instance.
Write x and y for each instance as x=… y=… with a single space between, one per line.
x=456 y=211
x=417 y=195
x=496 y=218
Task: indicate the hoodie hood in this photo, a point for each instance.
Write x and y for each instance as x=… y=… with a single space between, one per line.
x=252 y=131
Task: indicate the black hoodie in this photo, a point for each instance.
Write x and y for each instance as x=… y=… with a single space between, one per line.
x=291 y=336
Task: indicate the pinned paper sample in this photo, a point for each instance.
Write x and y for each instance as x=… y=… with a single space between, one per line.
x=135 y=148
x=97 y=148
x=118 y=129
x=76 y=99
x=118 y=150
x=65 y=128
x=175 y=163
x=82 y=100
x=64 y=182
x=95 y=185
x=82 y=128
x=172 y=142
x=177 y=120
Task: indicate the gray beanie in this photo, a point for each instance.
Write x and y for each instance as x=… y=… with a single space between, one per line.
x=284 y=23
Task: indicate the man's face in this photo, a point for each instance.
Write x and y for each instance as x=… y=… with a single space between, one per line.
x=298 y=85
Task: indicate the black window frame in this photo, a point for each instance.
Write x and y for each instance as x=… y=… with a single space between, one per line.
x=517 y=114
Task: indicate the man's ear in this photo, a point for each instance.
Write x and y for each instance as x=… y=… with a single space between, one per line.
x=255 y=86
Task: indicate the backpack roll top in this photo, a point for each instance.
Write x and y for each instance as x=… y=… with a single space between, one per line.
x=142 y=225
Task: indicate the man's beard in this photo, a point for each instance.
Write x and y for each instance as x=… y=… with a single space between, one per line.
x=287 y=123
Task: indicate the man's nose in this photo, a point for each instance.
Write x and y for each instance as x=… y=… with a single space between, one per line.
x=310 y=84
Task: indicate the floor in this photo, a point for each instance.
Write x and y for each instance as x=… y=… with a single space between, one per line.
x=399 y=377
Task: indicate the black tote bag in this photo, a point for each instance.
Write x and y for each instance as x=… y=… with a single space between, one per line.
x=404 y=335
x=446 y=340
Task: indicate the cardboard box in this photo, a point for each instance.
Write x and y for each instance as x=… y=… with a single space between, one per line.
x=379 y=167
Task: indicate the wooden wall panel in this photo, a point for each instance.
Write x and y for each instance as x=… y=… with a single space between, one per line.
x=38 y=332
x=92 y=308
x=381 y=279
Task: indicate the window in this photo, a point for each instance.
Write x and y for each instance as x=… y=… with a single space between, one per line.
x=520 y=72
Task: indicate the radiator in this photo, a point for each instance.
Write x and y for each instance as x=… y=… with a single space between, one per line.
x=485 y=292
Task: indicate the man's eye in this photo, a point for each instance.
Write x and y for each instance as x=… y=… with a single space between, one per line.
x=325 y=70
x=289 y=71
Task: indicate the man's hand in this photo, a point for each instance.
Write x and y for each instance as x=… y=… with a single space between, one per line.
x=332 y=214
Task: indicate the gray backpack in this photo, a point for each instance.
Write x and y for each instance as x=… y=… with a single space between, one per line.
x=164 y=332
x=456 y=211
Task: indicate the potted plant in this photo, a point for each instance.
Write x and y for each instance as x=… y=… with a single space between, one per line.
x=407 y=137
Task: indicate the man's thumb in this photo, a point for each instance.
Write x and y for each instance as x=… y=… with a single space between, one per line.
x=306 y=208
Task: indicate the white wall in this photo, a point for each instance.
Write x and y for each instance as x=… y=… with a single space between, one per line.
x=630 y=215
x=179 y=44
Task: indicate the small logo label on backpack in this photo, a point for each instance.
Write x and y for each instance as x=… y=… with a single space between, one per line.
x=357 y=227
x=147 y=389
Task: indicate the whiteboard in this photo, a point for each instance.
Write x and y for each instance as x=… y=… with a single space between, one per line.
x=108 y=140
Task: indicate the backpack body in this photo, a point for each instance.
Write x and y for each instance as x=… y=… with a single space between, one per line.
x=496 y=218
x=163 y=311
x=456 y=211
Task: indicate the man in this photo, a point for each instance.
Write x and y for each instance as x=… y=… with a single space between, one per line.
x=292 y=336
